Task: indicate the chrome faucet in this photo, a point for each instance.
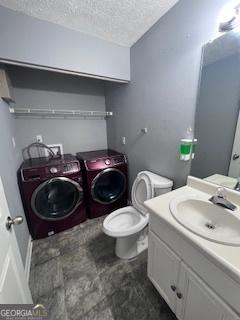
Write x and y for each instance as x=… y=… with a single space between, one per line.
x=220 y=199
x=237 y=185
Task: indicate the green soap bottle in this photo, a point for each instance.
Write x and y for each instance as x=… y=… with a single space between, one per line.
x=186 y=145
x=185 y=149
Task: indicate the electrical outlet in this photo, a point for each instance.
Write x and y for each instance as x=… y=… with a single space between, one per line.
x=123 y=139
x=144 y=130
x=13 y=142
x=39 y=138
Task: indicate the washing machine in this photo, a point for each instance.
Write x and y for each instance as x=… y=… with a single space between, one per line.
x=52 y=194
x=105 y=177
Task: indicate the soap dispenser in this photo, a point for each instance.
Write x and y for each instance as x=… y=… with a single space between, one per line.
x=188 y=146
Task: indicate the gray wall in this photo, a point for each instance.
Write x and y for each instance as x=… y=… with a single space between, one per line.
x=216 y=116
x=39 y=42
x=42 y=88
x=10 y=159
x=162 y=94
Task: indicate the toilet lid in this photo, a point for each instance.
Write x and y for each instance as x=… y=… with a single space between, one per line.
x=142 y=190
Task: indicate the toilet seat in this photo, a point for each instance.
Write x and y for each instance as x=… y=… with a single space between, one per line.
x=130 y=220
x=124 y=222
x=142 y=190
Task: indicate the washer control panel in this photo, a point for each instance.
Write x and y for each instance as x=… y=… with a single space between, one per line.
x=49 y=171
x=71 y=167
x=63 y=169
x=53 y=170
x=66 y=168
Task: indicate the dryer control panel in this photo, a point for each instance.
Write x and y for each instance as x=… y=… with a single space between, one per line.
x=103 y=163
x=50 y=171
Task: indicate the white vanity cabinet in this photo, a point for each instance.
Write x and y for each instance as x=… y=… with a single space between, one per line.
x=163 y=269
x=186 y=294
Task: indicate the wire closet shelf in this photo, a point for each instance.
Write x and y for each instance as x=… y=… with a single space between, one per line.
x=58 y=113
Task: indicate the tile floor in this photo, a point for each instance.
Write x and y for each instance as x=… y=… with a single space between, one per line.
x=76 y=275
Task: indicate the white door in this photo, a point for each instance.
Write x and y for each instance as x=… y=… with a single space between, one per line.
x=234 y=168
x=197 y=301
x=163 y=269
x=13 y=283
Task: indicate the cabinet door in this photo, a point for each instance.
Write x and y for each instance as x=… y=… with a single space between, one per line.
x=198 y=301
x=163 y=269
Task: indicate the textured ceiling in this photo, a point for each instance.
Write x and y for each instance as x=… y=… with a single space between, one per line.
x=119 y=21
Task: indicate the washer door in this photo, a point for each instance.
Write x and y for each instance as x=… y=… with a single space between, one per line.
x=56 y=198
x=108 y=186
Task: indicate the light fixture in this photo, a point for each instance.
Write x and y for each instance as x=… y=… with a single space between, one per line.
x=230 y=17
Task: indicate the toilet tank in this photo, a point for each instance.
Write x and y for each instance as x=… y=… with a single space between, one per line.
x=159 y=191
x=160 y=184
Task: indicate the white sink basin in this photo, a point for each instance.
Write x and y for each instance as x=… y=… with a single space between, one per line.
x=207 y=220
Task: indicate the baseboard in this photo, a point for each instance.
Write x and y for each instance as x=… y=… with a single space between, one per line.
x=28 y=258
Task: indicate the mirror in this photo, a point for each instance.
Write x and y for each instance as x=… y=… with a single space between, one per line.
x=217 y=123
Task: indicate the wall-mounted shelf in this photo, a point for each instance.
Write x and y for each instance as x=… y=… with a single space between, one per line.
x=58 y=113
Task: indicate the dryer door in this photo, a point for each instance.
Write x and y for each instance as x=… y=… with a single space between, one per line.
x=56 y=198
x=108 y=186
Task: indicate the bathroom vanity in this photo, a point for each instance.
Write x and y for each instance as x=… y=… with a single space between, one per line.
x=198 y=276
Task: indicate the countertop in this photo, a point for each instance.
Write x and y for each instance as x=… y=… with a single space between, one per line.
x=225 y=256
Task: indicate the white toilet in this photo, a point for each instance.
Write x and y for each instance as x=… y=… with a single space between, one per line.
x=128 y=224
